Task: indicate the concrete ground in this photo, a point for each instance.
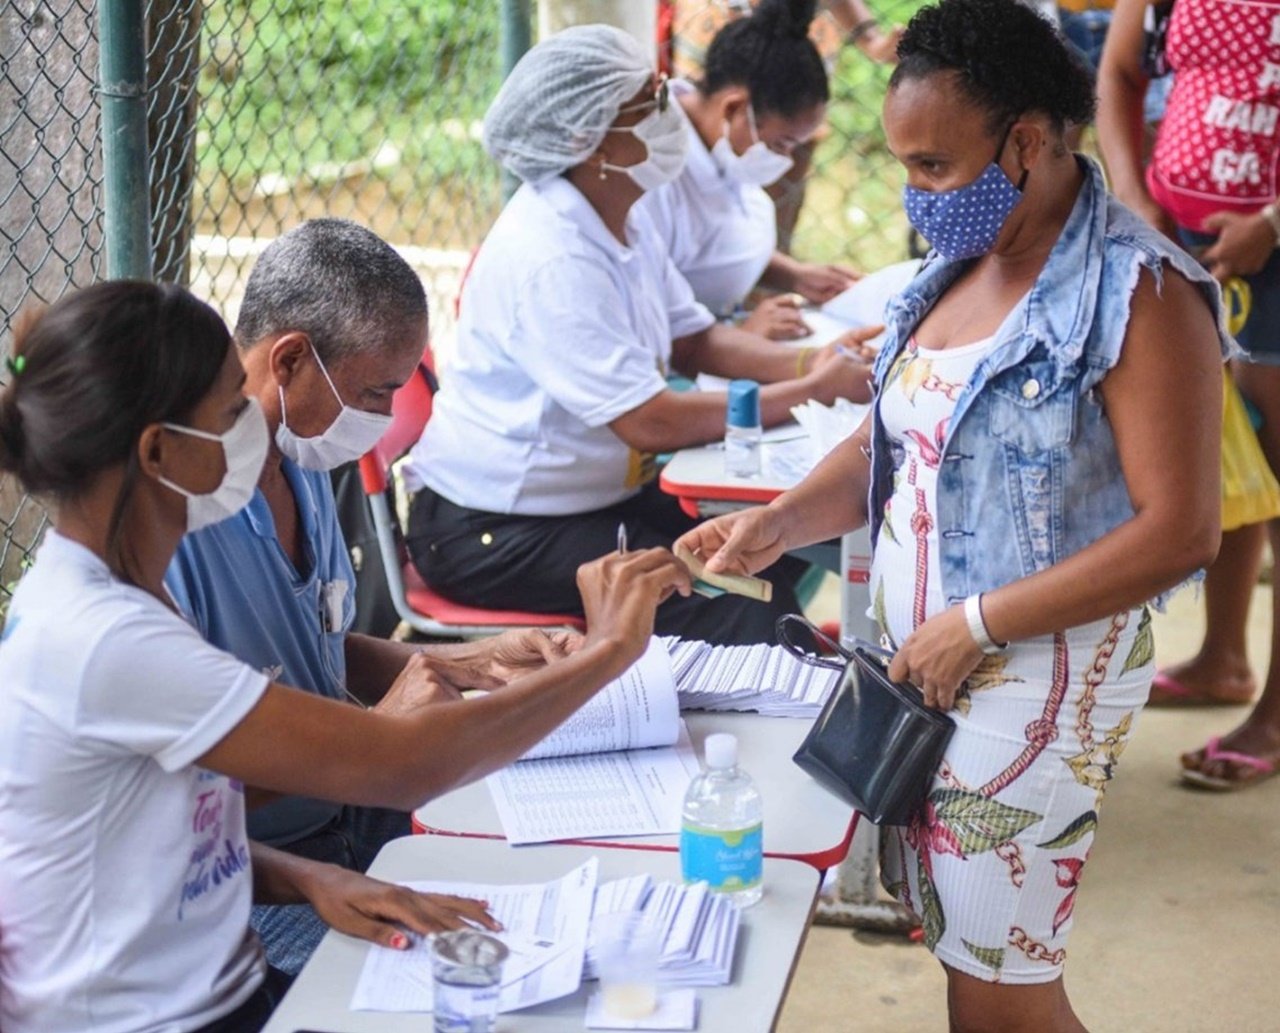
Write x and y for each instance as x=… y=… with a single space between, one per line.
x=1178 y=919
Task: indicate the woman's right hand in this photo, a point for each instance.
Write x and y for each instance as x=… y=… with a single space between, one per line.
x=838 y=372
x=738 y=543
x=621 y=591
x=777 y=318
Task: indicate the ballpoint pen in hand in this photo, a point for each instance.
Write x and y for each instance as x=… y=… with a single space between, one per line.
x=622 y=538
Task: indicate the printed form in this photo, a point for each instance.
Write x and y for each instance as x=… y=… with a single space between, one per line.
x=626 y=793
x=618 y=767
x=544 y=926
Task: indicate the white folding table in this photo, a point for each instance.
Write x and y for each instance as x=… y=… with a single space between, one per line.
x=769 y=942
x=802 y=821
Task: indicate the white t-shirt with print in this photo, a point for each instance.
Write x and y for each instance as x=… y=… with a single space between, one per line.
x=125 y=883
x=563 y=329
x=917 y=401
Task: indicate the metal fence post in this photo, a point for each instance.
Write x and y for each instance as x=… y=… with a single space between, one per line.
x=123 y=88
x=516 y=34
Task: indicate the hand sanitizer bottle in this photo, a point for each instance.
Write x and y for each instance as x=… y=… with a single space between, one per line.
x=742 y=431
x=720 y=835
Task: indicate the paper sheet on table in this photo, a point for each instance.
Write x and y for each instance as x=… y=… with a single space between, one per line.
x=625 y=793
x=826 y=426
x=544 y=925
x=636 y=710
x=864 y=303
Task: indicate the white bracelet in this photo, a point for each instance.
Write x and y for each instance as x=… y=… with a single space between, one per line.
x=978 y=627
x=1272 y=214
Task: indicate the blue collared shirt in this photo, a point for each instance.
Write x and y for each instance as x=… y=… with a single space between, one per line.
x=235 y=583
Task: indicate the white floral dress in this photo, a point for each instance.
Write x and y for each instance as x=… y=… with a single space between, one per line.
x=992 y=862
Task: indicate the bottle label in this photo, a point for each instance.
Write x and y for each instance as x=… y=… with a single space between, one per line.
x=727 y=860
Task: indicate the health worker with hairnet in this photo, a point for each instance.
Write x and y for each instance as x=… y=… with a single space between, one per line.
x=762 y=95
x=544 y=433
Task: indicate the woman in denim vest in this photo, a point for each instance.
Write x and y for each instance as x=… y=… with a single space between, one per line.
x=1041 y=461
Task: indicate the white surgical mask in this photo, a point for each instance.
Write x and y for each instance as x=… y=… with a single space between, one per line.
x=244 y=450
x=346 y=439
x=667 y=142
x=757 y=165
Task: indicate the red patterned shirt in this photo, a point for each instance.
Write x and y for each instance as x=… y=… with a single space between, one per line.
x=1217 y=146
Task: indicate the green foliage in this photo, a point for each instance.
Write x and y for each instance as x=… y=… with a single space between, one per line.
x=853 y=211
x=294 y=84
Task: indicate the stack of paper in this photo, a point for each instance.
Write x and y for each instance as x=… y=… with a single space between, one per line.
x=764 y=678
x=544 y=926
x=826 y=426
x=699 y=928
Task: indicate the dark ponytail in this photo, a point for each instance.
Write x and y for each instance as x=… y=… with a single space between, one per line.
x=89 y=372
x=771 y=54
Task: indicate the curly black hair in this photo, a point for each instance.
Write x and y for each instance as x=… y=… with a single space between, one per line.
x=770 y=53
x=1009 y=60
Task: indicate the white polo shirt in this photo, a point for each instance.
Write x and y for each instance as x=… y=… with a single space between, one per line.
x=563 y=329
x=125 y=881
x=720 y=233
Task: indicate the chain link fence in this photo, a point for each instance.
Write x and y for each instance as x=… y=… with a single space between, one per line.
x=263 y=113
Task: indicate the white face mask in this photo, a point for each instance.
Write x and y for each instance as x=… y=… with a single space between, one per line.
x=666 y=141
x=346 y=439
x=757 y=165
x=244 y=449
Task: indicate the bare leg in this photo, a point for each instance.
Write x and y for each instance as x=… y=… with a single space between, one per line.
x=974 y=1006
x=1259 y=734
x=1220 y=672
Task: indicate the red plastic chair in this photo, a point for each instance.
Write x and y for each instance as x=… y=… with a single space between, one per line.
x=427 y=612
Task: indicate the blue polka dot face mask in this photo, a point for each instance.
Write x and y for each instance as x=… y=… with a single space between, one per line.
x=965 y=222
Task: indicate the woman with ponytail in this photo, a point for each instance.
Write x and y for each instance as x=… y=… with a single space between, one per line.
x=831 y=25
x=130 y=748
x=762 y=97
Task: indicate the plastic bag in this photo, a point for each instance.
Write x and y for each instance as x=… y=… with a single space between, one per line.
x=1250 y=493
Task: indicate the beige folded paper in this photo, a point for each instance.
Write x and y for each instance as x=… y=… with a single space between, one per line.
x=738 y=584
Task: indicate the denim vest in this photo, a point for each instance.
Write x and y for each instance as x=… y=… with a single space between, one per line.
x=1030 y=473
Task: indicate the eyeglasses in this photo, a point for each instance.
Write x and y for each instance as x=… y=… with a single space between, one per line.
x=661 y=99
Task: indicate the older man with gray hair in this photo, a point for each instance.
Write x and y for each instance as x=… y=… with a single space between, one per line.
x=333 y=322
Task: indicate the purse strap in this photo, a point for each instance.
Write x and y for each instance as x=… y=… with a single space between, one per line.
x=788 y=628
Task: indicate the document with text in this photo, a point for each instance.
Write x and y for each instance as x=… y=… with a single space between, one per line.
x=636 y=710
x=545 y=928
x=622 y=793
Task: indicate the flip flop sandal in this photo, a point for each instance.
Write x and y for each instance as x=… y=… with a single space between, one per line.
x=1174 y=693
x=1213 y=751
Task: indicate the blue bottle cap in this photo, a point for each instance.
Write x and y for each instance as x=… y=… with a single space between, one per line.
x=744 y=404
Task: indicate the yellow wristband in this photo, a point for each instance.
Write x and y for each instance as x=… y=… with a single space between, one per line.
x=802 y=358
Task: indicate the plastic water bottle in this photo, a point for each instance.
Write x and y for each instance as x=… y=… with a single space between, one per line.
x=742 y=430
x=720 y=835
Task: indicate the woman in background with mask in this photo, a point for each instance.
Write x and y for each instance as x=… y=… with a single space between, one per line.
x=1042 y=460
x=127 y=741
x=545 y=430
x=763 y=94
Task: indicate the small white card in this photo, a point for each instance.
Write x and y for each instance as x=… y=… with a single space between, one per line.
x=677 y=1009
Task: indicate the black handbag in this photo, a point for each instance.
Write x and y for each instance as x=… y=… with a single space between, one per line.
x=875 y=744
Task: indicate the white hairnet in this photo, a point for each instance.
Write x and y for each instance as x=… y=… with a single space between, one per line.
x=554 y=108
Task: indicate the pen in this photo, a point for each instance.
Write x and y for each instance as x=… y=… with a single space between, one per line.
x=622 y=538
